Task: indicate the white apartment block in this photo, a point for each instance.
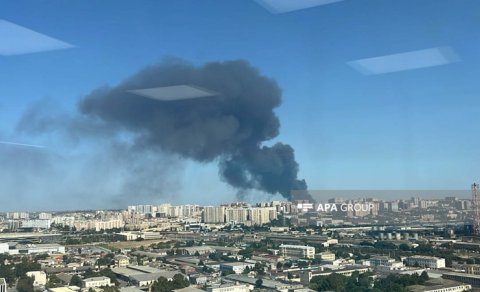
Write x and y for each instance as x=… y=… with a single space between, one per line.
x=99 y=224
x=45 y=216
x=236 y=215
x=228 y=288
x=236 y=267
x=243 y=215
x=297 y=251
x=213 y=214
x=96 y=282
x=380 y=261
x=262 y=215
x=64 y=220
x=426 y=261
x=18 y=215
x=163 y=208
x=37 y=223
x=110 y=224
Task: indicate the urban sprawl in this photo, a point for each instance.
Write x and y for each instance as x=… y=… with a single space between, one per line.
x=367 y=244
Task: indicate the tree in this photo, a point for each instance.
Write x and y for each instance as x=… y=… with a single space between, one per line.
x=259 y=283
x=207 y=270
x=42 y=256
x=163 y=285
x=110 y=289
x=404 y=247
x=259 y=268
x=424 y=276
x=25 y=284
x=54 y=282
x=8 y=273
x=179 y=281
x=76 y=281
x=384 y=245
x=26 y=266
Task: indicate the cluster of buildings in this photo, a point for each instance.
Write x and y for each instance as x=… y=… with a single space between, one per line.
x=229 y=248
x=240 y=214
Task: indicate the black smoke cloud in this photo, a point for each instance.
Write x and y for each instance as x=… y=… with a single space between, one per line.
x=229 y=128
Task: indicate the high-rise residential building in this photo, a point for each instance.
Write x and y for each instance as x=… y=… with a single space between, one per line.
x=64 y=220
x=45 y=216
x=18 y=215
x=213 y=214
x=175 y=211
x=189 y=211
x=163 y=208
x=141 y=209
x=262 y=215
x=236 y=215
x=393 y=206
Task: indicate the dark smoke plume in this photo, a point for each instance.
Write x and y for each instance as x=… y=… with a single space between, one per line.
x=229 y=128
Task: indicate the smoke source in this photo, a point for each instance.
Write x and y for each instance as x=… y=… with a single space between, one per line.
x=229 y=128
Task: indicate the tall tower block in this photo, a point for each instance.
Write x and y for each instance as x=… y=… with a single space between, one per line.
x=476 y=208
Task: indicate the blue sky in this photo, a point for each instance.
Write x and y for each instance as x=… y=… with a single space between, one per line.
x=414 y=129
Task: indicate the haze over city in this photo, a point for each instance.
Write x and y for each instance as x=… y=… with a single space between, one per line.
x=356 y=95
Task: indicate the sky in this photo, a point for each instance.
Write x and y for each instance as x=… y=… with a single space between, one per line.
x=412 y=129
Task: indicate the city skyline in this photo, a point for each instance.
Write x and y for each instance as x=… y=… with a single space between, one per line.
x=404 y=130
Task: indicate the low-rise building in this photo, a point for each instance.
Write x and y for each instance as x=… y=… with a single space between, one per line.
x=426 y=262
x=39 y=278
x=306 y=276
x=96 y=282
x=228 y=288
x=440 y=285
x=297 y=251
x=236 y=267
x=326 y=256
x=196 y=250
x=4 y=248
x=380 y=261
x=3 y=285
x=121 y=261
x=37 y=248
x=473 y=280
x=472 y=269
x=143 y=276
